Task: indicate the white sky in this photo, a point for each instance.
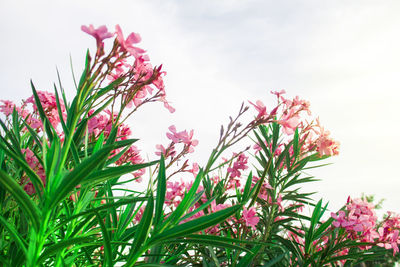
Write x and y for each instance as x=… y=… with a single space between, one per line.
x=342 y=56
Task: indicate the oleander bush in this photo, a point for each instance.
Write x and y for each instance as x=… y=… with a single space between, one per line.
x=72 y=189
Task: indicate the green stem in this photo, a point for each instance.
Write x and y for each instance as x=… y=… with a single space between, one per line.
x=266 y=235
x=40 y=240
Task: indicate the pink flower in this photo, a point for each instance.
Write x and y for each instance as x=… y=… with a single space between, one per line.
x=127 y=45
x=173 y=136
x=238 y=165
x=250 y=217
x=327 y=146
x=289 y=122
x=167 y=105
x=195 y=169
x=182 y=137
x=167 y=152
x=388 y=233
x=260 y=107
x=100 y=33
x=359 y=221
x=175 y=192
x=7 y=107
x=278 y=94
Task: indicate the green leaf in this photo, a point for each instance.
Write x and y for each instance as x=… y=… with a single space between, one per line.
x=196 y=225
x=16 y=128
x=52 y=160
x=275 y=260
x=85 y=71
x=20 y=160
x=215 y=242
x=261 y=143
x=99 y=143
x=78 y=174
x=106 y=241
x=161 y=189
x=202 y=207
x=296 y=148
x=185 y=203
x=53 y=249
x=105 y=90
x=14 y=235
x=23 y=200
x=142 y=232
x=316 y=215
x=275 y=135
x=154 y=265
x=248 y=258
x=62 y=89
x=113 y=172
x=224 y=239
x=34 y=135
x=124 y=201
x=46 y=123
x=60 y=115
x=246 y=191
x=11 y=136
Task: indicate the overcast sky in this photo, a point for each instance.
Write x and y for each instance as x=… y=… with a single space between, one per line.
x=342 y=56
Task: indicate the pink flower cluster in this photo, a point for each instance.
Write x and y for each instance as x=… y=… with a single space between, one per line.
x=239 y=165
x=7 y=107
x=175 y=192
x=102 y=123
x=142 y=77
x=325 y=144
x=183 y=137
x=293 y=114
x=360 y=222
x=49 y=104
x=389 y=232
x=359 y=216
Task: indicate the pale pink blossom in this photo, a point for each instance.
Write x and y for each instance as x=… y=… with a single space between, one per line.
x=289 y=122
x=195 y=169
x=182 y=137
x=278 y=94
x=128 y=44
x=99 y=34
x=167 y=152
x=250 y=217
x=327 y=146
x=261 y=108
x=167 y=105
